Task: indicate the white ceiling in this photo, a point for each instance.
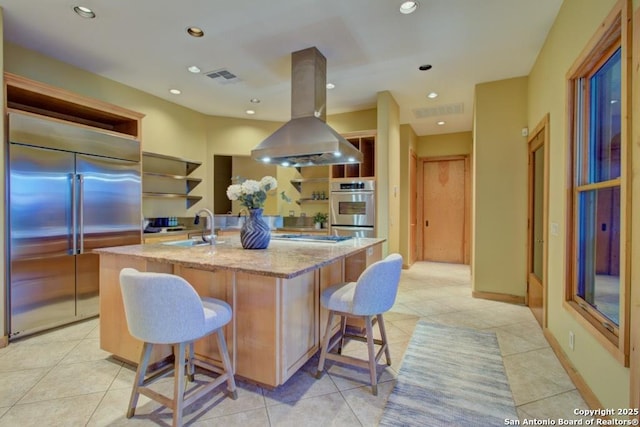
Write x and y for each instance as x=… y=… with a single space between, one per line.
x=369 y=46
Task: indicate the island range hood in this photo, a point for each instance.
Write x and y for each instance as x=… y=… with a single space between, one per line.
x=306 y=140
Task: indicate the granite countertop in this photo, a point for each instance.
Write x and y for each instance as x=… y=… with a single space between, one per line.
x=285 y=259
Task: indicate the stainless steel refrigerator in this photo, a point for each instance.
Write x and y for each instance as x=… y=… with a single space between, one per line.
x=70 y=190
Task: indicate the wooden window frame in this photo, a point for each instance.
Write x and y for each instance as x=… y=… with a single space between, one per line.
x=613 y=33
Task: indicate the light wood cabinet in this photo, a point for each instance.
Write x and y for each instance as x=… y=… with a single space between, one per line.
x=157 y=238
x=228 y=232
x=366 y=143
x=39 y=98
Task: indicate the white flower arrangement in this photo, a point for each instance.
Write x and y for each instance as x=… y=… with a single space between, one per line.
x=251 y=193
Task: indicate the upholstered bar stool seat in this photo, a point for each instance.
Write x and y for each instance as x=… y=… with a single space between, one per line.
x=165 y=309
x=372 y=295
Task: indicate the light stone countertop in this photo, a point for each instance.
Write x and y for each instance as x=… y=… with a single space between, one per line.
x=285 y=259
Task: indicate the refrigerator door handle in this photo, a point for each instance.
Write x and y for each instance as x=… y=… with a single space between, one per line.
x=81 y=212
x=74 y=219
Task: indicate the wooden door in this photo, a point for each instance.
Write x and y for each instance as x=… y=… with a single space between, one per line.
x=537 y=224
x=443 y=237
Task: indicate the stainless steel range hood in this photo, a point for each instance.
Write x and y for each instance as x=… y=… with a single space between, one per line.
x=306 y=140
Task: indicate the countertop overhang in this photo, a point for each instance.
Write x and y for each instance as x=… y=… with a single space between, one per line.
x=281 y=259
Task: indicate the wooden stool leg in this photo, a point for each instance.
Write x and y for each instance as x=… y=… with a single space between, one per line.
x=383 y=336
x=372 y=356
x=191 y=369
x=325 y=344
x=226 y=362
x=178 y=385
x=343 y=331
x=139 y=379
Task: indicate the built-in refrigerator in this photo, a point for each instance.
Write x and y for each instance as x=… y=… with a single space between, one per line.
x=71 y=189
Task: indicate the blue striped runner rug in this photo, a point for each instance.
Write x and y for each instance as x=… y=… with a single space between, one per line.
x=450 y=377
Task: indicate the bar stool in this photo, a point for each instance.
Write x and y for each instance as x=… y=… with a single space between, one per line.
x=372 y=295
x=165 y=309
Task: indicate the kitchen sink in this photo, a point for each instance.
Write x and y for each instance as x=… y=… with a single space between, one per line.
x=186 y=243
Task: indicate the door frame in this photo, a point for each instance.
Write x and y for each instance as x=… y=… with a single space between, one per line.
x=413 y=208
x=467 y=203
x=541 y=128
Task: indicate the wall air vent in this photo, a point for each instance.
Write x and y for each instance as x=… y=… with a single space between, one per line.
x=222 y=76
x=440 y=110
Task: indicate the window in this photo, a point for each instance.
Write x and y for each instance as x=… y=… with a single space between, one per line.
x=596 y=287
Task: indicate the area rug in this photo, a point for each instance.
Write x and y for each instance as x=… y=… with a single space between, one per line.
x=450 y=377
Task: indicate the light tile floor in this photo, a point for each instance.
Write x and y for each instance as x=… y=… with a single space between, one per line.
x=62 y=378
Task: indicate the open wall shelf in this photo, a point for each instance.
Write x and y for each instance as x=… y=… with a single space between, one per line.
x=366 y=143
x=167 y=177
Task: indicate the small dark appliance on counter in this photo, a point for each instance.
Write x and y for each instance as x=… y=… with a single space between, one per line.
x=163 y=225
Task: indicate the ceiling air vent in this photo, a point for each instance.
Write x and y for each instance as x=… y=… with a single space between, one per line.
x=222 y=76
x=441 y=110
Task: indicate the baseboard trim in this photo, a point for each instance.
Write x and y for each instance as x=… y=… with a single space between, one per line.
x=585 y=391
x=4 y=341
x=512 y=299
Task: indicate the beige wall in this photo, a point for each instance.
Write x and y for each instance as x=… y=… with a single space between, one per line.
x=547 y=94
x=353 y=122
x=500 y=199
x=388 y=172
x=167 y=128
x=449 y=144
x=237 y=137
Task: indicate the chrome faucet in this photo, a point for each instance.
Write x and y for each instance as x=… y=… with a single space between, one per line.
x=208 y=238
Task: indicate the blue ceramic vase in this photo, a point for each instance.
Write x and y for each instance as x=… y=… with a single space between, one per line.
x=255 y=233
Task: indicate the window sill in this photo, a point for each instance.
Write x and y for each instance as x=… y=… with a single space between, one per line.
x=605 y=337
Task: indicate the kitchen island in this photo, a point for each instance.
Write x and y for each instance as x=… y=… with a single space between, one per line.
x=274 y=293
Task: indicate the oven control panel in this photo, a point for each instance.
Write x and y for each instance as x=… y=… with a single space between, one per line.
x=352 y=186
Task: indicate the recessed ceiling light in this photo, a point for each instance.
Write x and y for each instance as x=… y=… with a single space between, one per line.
x=441 y=123
x=432 y=95
x=254 y=101
x=250 y=112
x=330 y=86
x=408 y=7
x=85 y=12
x=194 y=69
x=425 y=67
x=175 y=91
x=195 y=31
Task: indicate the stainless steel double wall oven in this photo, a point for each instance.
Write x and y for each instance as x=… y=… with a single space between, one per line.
x=353 y=208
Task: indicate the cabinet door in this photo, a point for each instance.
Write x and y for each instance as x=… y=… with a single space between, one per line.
x=165 y=238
